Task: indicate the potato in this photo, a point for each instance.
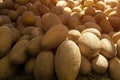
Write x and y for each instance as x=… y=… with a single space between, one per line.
x=20 y=28
x=73 y=22
x=92 y=25
x=112 y=14
x=71 y=3
x=13 y=15
x=94 y=31
x=108 y=11
x=118 y=49
x=76 y=9
x=118 y=29
x=90 y=11
x=74 y=35
x=4 y=11
x=67 y=10
x=15 y=34
x=42 y=9
x=49 y=41
x=61 y=3
x=49 y=20
x=118 y=11
x=111 y=33
x=114 y=68
x=33 y=1
x=22 y=2
x=64 y=18
x=99 y=16
x=1 y=21
x=57 y=10
x=82 y=13
x=28 y=30
x=38 y=21
x=107 y=48
x=16 y=5
x=100 y=5
x=28 y=18
x=106 y=36
x=116 y=37
x=50 y=5
x=9 y=4
x=112 y=3
x=106 y=26
x=83 y=8
x=78 y=16
x=5 y=40
x=34 y=46
x=21 y=9
x=77 y=2
x=25 y=77
x=29 y=66
x=89 y=44
x=44 y=66
x=24 y=37
x=99 y=64
x=32 y=8
x=18 y=52
x=97 y=11
x=67 y=68
x=88 y=18
x=80 y=28
x=10 y=25
x=46 y=2
x=7 y=70
x=37 y=3
x=85 y=67
x=19 y=21
x=114 y=21
x=6 y=19
x=37 y=32
x=89 y=3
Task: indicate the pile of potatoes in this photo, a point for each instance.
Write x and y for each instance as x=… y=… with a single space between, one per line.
x=59 y=38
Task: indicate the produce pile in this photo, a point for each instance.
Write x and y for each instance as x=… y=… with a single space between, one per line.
x=59 y=38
